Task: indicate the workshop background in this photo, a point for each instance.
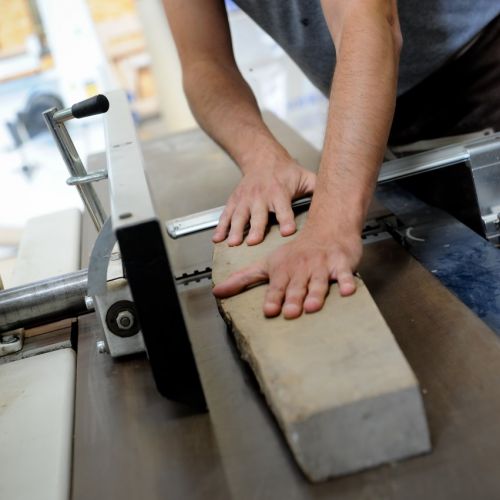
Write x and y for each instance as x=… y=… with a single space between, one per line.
x=53 y=56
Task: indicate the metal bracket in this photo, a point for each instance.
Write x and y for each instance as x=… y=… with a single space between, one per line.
x=99 y=175
x=484 y=163
x=112 y=298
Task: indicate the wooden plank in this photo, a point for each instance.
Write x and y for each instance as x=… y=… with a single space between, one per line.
x=10 y=236
x=336 y=381
x=6 y=268
x=455 y=356
x=50 y=246
x=63 y=324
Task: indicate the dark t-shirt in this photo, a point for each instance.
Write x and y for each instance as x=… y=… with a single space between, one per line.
x=433 y=31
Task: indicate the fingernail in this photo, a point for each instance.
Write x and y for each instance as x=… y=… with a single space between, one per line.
x=252 y=239
x=347 y=289
x=291 y=311
x=312 y=305
x=288 y=229
x=271 y=309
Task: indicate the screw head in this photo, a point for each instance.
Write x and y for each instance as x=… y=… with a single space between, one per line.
x=89 y=303
x=125 y=320
x=9 y=339
x=101 y=346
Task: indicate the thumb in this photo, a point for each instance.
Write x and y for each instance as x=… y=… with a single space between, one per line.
x=240 y=280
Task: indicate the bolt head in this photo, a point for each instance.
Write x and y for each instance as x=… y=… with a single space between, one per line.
x=89 y=303
x=101 y=346
x=125 y=320
x=9 y=339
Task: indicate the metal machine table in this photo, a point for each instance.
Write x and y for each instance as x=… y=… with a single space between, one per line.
x=131 y=443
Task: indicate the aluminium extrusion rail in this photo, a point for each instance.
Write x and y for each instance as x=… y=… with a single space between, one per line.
x=390 y=171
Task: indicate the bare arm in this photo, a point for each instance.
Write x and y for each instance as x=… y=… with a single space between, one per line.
x=362 y=99
x=226 y=109
x=368 y=41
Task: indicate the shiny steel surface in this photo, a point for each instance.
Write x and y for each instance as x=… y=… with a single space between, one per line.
x=208 y=219
x=44 y=301
x=75 y=167
x=86 y=179
x=63 y=115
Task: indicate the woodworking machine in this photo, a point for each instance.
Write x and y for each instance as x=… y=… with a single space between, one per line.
x=144 y=306
x=130 y=282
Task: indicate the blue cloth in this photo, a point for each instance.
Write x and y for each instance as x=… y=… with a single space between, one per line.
x=433 y=31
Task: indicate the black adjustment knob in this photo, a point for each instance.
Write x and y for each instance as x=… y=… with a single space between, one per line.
x=89 y=107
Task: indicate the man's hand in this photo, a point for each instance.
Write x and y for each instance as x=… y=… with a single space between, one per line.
x=367 y=40
x=262 y=190
x=299 y=272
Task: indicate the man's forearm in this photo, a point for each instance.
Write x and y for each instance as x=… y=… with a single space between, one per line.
x=227 y=110
x=361 y=109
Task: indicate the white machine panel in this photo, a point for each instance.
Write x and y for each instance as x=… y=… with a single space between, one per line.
x=36 y=426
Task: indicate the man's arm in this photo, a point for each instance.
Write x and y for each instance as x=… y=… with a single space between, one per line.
x=368 y=41
x=226 y=109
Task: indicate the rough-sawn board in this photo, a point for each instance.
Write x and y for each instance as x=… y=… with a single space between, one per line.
x=336 y=381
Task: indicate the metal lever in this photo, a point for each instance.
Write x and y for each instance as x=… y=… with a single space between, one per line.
x=89 y=107
x=55 y=119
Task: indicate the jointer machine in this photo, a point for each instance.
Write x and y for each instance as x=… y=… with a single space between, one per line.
x=440 y=206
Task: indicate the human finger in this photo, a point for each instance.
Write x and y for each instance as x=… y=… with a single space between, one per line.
x=222 y=228
x=275 y=293
x=346 y=282
x=284 y=215
x=238 y=281
x=238 y=222
x=258 y=223
x=295 y=295
x=317 y=291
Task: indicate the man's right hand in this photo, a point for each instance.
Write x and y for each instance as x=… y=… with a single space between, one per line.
x=264 y=189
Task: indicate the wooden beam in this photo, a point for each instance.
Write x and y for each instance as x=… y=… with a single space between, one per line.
x=336 y=381
x=50 y=246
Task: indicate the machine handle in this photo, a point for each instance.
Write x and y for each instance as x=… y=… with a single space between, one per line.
x=89 y=107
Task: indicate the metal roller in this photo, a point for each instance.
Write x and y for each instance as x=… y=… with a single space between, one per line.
x=43 y=301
